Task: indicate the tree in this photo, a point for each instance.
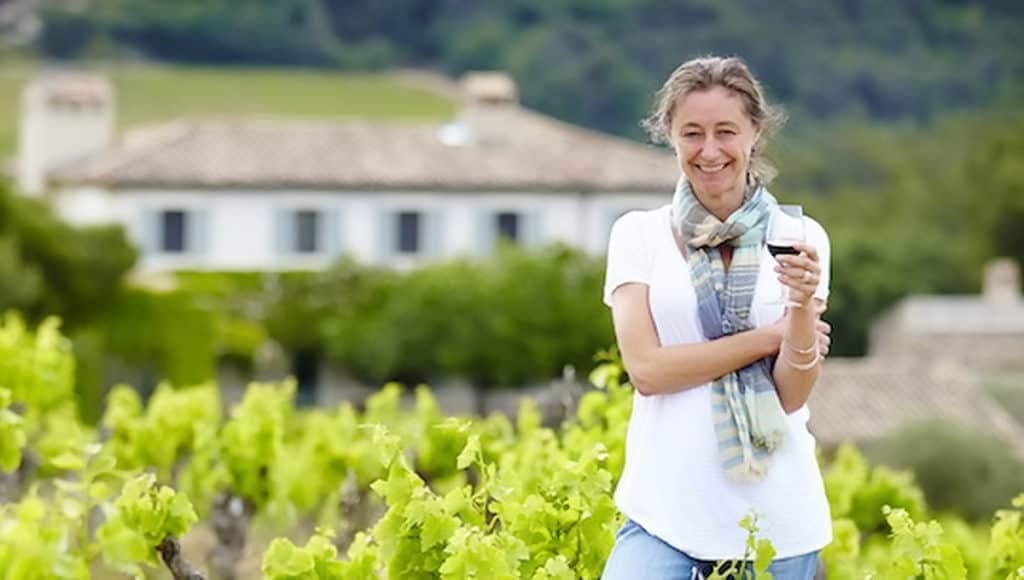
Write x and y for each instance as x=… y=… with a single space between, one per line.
x=52 y=268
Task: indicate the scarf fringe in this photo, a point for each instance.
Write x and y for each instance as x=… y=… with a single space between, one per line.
x=767 y=420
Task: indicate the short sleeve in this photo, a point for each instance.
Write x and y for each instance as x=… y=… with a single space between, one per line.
x=629 y=256
x=817 y=237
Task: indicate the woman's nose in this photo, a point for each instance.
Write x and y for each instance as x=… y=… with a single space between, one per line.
x=709 y=147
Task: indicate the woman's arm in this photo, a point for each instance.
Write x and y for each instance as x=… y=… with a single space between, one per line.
x=797 y=368
x=657 y=370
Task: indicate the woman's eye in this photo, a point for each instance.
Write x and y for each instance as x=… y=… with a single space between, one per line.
x=726 y=132
x=690 y=134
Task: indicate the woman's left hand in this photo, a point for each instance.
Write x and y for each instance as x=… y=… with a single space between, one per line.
x=800 y=273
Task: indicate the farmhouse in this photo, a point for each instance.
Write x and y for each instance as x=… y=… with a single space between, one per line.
x=271 y=194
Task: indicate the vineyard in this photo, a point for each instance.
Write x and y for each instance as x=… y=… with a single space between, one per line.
x=382 y=492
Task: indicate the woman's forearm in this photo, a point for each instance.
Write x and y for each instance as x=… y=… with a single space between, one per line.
x=657 y=370
x=794 y=374
x=671 y=369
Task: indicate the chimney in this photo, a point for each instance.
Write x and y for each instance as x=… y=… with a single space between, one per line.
x=489 y=101
x=65 y=118
x=1002 y=281
x=489 y=88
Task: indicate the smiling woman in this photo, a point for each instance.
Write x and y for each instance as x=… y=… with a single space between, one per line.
x=713 y=138
x=722 y=374
x=712 y=111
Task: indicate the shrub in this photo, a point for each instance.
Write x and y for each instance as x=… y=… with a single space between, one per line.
x=960 y=470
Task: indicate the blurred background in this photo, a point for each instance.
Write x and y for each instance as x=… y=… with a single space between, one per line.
x=415 y=190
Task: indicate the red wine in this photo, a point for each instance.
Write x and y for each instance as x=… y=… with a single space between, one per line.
x=777 y=250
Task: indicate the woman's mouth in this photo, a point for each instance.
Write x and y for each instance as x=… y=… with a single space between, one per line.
x=711 y=169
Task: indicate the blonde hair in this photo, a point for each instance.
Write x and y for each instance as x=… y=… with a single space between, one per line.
x=701 y=74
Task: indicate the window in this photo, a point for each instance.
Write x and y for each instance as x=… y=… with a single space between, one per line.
x=307 y=231
x=408 y=232
x=509 y=226
x=173 y=229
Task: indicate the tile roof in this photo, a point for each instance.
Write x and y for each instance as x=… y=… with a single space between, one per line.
x=970 y=314
x=517 y=150
x=864 y=399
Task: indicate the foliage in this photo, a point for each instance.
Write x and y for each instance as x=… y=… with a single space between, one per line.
x=67 y=33
x=501 y=501
x=919 y=550
x=239 y=301
x=756 y=559
x=1006 y=550
x=170 y=334
x=959 y=469
x=317 y=559
x=143 y=515
x=55 y=268
x=252 y=441
x=12 y=434
x=995 y=164
x=37 y=368
x=161 y=435
x=478 y=320
x=47 y=532
x=291 y=32
x=1010 y=394
x=595 y=61
x=52 y=268
x=858 y=491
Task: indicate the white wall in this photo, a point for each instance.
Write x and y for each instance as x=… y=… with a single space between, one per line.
x=241 y=232
x=87 y=206
x=599 y=211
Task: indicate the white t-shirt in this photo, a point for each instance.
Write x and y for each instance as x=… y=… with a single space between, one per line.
x=673 y=483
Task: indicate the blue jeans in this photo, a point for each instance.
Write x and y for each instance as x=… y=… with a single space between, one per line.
x=638 y=554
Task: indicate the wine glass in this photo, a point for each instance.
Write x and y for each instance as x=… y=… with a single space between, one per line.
x=785 y=230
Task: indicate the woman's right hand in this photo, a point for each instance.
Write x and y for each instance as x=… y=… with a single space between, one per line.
x=823 y=330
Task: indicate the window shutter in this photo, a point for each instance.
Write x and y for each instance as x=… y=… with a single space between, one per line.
x=330 y=236
x=434 y=234
x=486 y=231
x=533 y=227
x=197 y=227
x=150 y=231
x=284 y=231
x=387 y=236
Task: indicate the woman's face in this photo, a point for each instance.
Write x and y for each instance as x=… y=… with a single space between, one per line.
x=712 y=136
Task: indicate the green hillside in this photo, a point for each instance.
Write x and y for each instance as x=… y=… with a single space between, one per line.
x=152 y=93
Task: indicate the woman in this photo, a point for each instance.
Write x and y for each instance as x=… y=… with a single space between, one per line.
x=722 y=374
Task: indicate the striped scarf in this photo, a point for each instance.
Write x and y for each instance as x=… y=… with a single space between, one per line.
x=748 y=417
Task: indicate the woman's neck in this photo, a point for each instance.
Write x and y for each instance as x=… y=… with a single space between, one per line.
x=723 y=205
